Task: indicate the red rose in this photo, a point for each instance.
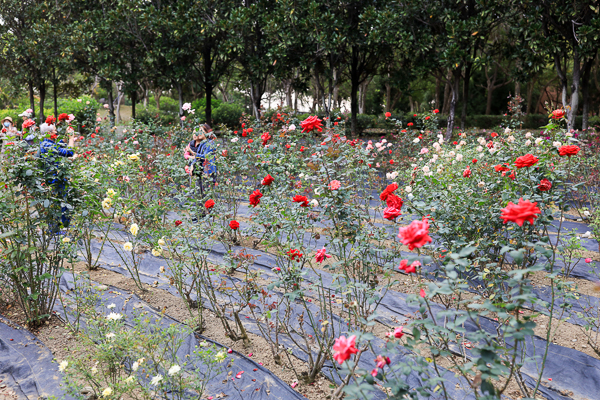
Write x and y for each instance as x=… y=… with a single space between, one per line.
x=391 y=188
x=250 y=141
x=512 y=176
x=557 y=114
x=501 y=168
x=394 y=201
x=234 y=224
x=255 y=198
x=294 y=254
x=545 y=185
x=53 y=136
x=455 y=143
x=311 y=123
x=244 y=134
x=427 y=117
x=568 y=150
x=436 y=111
x=526 y=161
x=519 y=213
x=93 y=135
x=50 y=120
x=28 y=124
x=467 y=173
x=63 y=117
x=250 y=130
x=265 y=138
x=388 y=114
x=224 y=153
x=177 y=223
x=416 y=234
x=414 y=115
x=267 y=180
x=494 y=134
x=391 y=213
x=410 y=124
x=301 y=199
x=301 y=149
x=209 y=204
x=474 y=161
x=391 y=161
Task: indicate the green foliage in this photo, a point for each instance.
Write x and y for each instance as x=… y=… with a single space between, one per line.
x=228 y=114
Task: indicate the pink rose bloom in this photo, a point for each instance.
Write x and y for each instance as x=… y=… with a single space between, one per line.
x=369 y=147
x=322 y=255
x=424 y=150
x=126 y=178
x=374 y=372
x=588 y=260
x=183 y=118
x=422 y=293
x=344 y=348
x=416 y=234
x=335 y=185
x=381 y=361
x=398 y=332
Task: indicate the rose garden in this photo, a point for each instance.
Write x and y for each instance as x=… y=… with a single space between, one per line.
x=261 y=252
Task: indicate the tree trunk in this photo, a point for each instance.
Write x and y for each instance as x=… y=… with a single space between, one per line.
x=208 y=84
x=490 y=88
x=180 y=96
x=120 y=96
x=111 y=106
x=336 y=88
x=354 y=84
x=452 y=111
x=517 y=88
x=42 y=100
x=447 y=91
x=388 y=96
x=31 y=99
x=255 y=97
x=438 y=83
x=362 y=96
x=563 y=79
x=466 y=82
x=574 y=91
x=287 y=84
x=585 y=90
x=530 y=86
x=133 y=101
x=157 y=95
x=54 y=93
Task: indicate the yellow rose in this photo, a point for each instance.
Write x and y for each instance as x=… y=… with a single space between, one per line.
x=161 y=242
x=110 y=193
x=66 y=240
x=128 y=246
x=134 y=157
x=134 y=229
x=156 y=252
x=106 y=392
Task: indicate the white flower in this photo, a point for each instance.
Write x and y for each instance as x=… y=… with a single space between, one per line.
x=162 y=269
x=586 y=213
x=156 y=252
x=107 y=203
x=63 y=365
x=301 y=175
x=134 y=229
x=510 y=139
x=528 y=142
x=416 y=140
x=314 y=203
x=587 y=234
x=507 y=131
x=106 y=392
x=459 y=157
x=114 y=316
x=528 y=135
x=440 y=137
x=569 y=134
x=130 y=379
x=434 y=158
x=317 y=191
x=110 y=335
x=161 y=242
x=462 y=143
x=128 y=246
x=451 y=154
x=440 y=170
x=426 y=169
x=135 y=366
x=437 y=146
x=174 y=370
x=186 y=106
x=111 y=306
x=292 y=127
x=408 y=189
x=66 y=240
x=94 y=370
x=156 y=379
x=220 y=356
x=556 y=144
x=538 y=141
x=481 y=184
x=235 y=139
x=479 y=149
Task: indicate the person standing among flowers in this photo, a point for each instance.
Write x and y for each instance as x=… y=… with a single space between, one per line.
x=8 y=132
x=51 y=152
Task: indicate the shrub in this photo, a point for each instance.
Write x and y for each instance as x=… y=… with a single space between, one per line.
x=228 y=114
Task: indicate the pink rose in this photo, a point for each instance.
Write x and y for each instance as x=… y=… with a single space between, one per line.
x=322 y=255
x=335 y=185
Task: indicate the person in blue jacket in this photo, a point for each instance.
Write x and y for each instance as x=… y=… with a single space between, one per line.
x=51 y=152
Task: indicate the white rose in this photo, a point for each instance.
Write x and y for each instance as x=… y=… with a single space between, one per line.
x=128 y=246
x=408 y=189
x=479 y=149
x=111 y=306
x=156 y=252
x=459 y=157
x=292 y=127
x=156 y=379
x=110 y=335
x=538 y=141
x=416 y=140
x=314 y=203
x=161 y=242
x=426 y=169
x=528 y=135
x=174 y=370
x=134 y=229
x=556 y=144
x=481 y=184
x=114 y=316
x=63 y=365
x=528 y=142
x=106 y=392
x=130 y=379
x=66 y=240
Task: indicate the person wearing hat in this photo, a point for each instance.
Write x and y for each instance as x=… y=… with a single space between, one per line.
x=26 y=115
x=202 y=162
x=51 y=153
x=8 y=131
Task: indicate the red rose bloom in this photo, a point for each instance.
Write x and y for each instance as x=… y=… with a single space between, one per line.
x=234 y=224
x=545 y=185
x=474 y=161
x=512 y=176
x=255 y=198
x=388 y=114
x=53 y=136
x=568 y=150
x=519 y=213
x=557 y=114
x=63 y=117
x=311 y=123
x=294 y=254
x=28 y=124
x=391 y=213
x=410 y=124
x=501 y=168
x=494 y=134
x=436 y=111
x=394 y=201
x=343 y=348
x=303 y=200
x=427 y=117
x=178 y=222
x=244 y=134
x=50 y=120
x=467 y=173
x=265 y=138
x=416 y=234
x=391 y=188
x=526 y=161
x=267 y=180
x=250 y=141
x=209 y=204
x=250 y=130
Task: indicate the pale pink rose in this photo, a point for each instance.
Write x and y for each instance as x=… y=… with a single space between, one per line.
x=424 y=150
x=126 y=178
x=335 y=185
x=183 y=118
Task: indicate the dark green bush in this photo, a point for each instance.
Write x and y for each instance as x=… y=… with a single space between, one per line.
x=228 y=114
